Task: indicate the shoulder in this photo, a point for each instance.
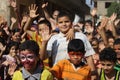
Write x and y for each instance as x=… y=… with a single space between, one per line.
x=46 y=75
x=17 y=75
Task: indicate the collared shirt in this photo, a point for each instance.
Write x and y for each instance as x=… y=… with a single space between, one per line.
x=35 y=76
x=57 y=46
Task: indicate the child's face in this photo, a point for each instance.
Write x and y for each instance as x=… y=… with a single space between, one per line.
x=75 y=57
x=43 y=28
x=117 y=50
x=111 y=41
x=16 y=37
x=28 y=59
x=64 y=24
x=13 y=50
x=108 y=66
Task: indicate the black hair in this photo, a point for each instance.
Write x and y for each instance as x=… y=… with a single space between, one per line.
x=108 y=54
x=15 y=30
x=2 y=41
x=76 y=45
x=66 y=13
x=89 y=22
x=117 y=41
x=45 y=22
x=30 y=45
x=11 y=44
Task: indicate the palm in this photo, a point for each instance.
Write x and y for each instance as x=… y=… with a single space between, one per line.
x=33 y=9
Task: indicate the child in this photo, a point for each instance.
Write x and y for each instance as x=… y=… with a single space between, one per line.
x=116 y=47
x=11 y=59
x=32 y=69
x=56 y=47
x=73 y=68
x=108 y=60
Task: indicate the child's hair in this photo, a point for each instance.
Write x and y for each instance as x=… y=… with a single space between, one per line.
x=108 y=54
x=117 y=41
x=76 y=45
x=15 y=30
x=11 y=44
x=89 y=22
x=65 y=13
x=45 y=22
x=31 y=46
x=2 y=41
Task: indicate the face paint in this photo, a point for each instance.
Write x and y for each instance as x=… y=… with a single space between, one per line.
x=29 y=61
x=29 y=57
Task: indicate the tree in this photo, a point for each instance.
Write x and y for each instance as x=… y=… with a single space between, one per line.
x=114 y=7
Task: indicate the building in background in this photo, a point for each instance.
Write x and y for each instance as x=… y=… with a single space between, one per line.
x=79 y=7
x=102 y=5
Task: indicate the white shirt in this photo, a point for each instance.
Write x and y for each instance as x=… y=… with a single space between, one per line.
x=57 y=46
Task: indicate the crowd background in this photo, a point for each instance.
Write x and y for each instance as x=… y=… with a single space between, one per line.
x=101 y=32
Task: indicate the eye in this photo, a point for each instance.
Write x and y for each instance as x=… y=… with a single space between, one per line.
x=30 y=57
x=22 y=57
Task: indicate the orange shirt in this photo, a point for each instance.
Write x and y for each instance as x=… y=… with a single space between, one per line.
x=65 y=69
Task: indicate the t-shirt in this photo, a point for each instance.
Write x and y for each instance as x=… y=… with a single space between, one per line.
x=57 y=46
x=64 y=69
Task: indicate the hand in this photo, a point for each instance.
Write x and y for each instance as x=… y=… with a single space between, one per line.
x=104 y=22
x=113 y=17
x=13 y=3
x=5 y=63
x=32 y=11
x=44 y=5
x=13 y=20
x=116 y=22
x=46 y=36
x=93 y=12
x=70 y=34
x=11 y=69
x=24 y=20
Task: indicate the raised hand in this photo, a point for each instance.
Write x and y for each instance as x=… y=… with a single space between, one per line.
x=24 y=19
x=113 y=17
x=32 y=11
x=12 y=68
x=93 y=12
x=44 y=5
x=13 y=20
x=13 y=3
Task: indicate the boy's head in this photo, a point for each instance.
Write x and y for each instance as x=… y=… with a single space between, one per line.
x=44 y=26
x=108 y=59
x=76 y=51
x=55 y=14
x=116 y=47
x=29 y=54
x=64 y=21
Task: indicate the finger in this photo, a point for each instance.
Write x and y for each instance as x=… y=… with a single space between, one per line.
x=36 y=9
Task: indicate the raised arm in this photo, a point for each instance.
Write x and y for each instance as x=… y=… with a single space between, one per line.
x=14 y=5
x=101 y=30
x=13 y=21
x=47 y=16
x=112 y=25
x=32 y=14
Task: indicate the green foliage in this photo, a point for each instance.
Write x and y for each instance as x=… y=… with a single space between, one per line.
x=114 y=7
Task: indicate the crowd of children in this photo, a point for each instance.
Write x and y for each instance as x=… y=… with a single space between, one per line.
x=56 y=49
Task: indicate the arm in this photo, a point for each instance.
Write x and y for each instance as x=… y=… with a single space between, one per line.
x=45 y=11
x=112 y=25
x=13 y=20
x=45 y=39
x=32 y=13
x=14 y=5
x=101 y=30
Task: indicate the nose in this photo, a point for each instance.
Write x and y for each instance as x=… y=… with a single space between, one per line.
x=105 y=67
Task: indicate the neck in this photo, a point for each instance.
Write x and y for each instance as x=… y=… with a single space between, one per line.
x=110 y=76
